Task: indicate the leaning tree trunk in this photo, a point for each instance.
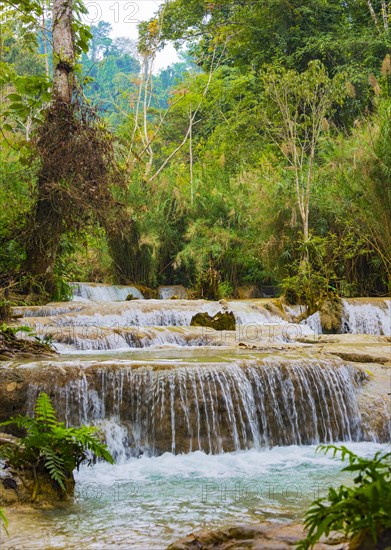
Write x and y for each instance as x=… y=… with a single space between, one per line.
x=47 y=222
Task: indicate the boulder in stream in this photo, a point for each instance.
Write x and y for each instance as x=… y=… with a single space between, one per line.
x=331 y=316
x=220 y=321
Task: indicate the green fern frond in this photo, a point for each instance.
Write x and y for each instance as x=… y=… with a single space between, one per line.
x=50 y=444
x=54 y=464
x=44 y=410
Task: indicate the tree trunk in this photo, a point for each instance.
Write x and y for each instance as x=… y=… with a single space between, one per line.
x=63 y=51
x=47 y=224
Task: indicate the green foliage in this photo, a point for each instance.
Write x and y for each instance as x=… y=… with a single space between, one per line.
x=323 y=274
x=359 y=510
x=3 y=521
x=208 y=284
x=10 y=332
x=233 y=199
x=340 y=35
x=225 y=290
x=83 y=256
x=50 y=446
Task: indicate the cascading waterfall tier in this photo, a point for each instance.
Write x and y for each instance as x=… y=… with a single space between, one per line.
x=103 y=293
x=363 y=316
x=69 y=339
x=155 y=323
x=256 y=317
x=215 y=407
x=143 y=313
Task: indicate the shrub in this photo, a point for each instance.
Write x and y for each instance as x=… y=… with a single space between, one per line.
x=208 y=284
x=359 y=511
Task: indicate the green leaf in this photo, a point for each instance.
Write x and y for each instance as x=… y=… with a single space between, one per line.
x=14 y=97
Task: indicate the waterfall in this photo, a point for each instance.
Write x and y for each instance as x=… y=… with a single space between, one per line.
x=222 y=398
x=148 y=313
x=103 y=293
x=367 y=317
x=155 y=323
x=314 y=323
x=101 y=338
x=214 y=408
x=168 y=292
x=154 y=408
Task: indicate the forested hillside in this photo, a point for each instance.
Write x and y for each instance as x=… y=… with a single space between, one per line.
x=262 y=157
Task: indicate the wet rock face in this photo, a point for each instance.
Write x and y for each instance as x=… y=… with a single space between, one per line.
x=220 y=321
x=147 y=292
x=35 y=489
x=331 y=316
x=13 y=390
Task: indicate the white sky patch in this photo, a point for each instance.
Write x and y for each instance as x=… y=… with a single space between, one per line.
x=124 y=16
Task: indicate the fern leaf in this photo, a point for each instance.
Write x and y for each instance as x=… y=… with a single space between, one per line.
x=44 y=410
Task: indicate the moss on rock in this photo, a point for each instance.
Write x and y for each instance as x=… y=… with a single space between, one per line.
x=147 y=292
x=331 y=316
x=220 y=321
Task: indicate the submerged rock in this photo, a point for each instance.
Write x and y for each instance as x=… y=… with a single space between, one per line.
x=266 y=536
x=220 y=321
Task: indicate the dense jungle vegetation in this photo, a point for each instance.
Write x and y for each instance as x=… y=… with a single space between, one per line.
x=262 y=157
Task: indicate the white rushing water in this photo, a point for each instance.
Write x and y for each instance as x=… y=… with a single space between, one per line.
x=148 y=407
x=147 y=503
x=360 y=317
x=256 y=317
x=103 y=293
